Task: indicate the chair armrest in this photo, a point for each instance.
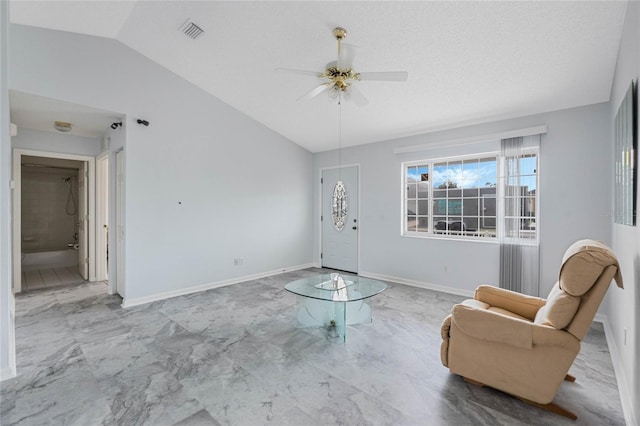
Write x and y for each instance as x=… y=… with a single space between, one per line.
x=521 y=304
x=495 y=327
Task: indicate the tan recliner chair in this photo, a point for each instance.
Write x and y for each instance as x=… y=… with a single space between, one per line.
x=525 y=345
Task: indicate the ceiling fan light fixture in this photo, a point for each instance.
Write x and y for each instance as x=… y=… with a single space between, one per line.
x=339 y=76
x=62 y=126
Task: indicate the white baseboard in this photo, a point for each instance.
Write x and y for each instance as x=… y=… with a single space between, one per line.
x=421 y=284
x=127 y=303
x=624 y=387
x=7 y=373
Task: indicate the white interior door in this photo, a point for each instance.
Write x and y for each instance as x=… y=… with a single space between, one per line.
x=340 y=248
x=83 y=235
x=102 y=218
x=120 y=284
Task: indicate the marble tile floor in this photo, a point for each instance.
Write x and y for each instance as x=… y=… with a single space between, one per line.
x=232 y=356
x=50 y=278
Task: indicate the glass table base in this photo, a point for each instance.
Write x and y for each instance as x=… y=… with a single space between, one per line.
x=334 y=316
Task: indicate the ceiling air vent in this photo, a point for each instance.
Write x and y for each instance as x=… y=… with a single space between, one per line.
x=190 y=29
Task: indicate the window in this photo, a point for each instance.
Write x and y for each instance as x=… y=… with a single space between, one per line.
x=520 y=196
x=464 y=197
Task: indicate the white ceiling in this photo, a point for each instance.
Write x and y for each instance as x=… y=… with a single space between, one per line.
x=468 y=62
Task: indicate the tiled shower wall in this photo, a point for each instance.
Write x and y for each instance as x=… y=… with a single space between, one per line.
x=45 y=223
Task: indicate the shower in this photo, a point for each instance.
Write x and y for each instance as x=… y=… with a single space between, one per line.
x=72 y=205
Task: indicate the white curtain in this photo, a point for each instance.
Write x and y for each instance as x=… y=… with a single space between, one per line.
x=519 y=248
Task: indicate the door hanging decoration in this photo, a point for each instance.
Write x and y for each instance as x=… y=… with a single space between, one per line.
x=339 y=206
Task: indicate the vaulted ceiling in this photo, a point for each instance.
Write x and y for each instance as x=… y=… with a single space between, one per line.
x=468 y=62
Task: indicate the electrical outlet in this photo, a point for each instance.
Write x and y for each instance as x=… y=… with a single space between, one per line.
x=237 y=261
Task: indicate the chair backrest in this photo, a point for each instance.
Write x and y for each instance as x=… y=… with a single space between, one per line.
x=587 y=269
x=590 y=302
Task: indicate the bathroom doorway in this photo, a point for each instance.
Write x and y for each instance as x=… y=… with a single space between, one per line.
x=53 y=242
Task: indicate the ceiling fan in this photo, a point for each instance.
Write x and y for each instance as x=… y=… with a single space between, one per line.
x=340 y=76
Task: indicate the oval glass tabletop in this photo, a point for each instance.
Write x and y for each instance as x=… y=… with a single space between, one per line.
x=351 y=288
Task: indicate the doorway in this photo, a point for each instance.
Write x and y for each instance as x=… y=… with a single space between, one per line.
x=340 y=247
x=53 y=201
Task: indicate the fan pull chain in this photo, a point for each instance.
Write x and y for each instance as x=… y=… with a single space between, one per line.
x=339 y=135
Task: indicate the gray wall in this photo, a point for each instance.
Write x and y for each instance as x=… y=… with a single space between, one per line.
x=623 y=306
x=204 y=183
x=574 y=200
x=7 y=361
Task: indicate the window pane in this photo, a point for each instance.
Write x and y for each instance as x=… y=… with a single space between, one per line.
x=457 y=193
x=528 y=183
x=471 y=192
x=512 y=206
x=423 y=190
x=529 y=205
x=412 y=190
x=439 y=193
x=471 y=207
x=512 y=227
x=411 y=207
x=440 y=207
x=528 y=164
x=488 y=205
x=488 y=172
x=488 y=223
x=411 y=223
x=423 y=173
x=439 y=224
x=471 y=224
x=439 y=177
x=423 y=224
x=454 y=206
x=455 y=224
x=412 y=174
x=423 y=207
x=470 y=174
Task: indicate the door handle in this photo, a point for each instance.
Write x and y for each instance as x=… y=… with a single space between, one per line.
x=354 y=228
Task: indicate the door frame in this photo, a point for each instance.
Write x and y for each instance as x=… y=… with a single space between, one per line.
x=117 y=281
x=102 y=216
x=16 y=237
x=320 y=201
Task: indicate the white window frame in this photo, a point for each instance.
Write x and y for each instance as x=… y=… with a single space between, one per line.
x=535 y=150
x=500 y=204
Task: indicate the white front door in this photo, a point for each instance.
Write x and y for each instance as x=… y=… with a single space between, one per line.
x=340 y=248
x=83 y=235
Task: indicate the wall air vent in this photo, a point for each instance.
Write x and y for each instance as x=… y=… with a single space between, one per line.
x=191 y=30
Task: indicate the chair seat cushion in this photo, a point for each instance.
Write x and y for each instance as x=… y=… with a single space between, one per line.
x=507 y=313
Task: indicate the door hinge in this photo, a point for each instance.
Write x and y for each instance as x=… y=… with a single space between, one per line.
x=320 y=255
x=321 y=218
x=321 y=181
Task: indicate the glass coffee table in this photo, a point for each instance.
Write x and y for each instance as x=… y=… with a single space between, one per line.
x=334 y=301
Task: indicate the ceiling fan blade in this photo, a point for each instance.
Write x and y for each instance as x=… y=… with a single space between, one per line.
x=384 y=76
x=346 y=55
x=299 y=72
x=354 y=94
x=316 y=91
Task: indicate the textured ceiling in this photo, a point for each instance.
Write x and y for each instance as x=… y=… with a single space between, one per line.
x=468 y=62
